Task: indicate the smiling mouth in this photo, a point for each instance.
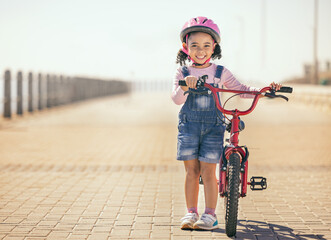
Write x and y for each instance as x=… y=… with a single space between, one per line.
x=201 y=58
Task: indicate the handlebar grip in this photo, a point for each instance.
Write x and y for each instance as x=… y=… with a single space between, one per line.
x=286 y=90
x=182 y=83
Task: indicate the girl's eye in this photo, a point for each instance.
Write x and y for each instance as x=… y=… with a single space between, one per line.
x=207 y=46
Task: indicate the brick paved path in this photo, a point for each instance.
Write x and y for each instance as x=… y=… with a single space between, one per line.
x=106 y=169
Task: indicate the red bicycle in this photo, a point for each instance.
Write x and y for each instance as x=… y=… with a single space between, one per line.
x=233 y=167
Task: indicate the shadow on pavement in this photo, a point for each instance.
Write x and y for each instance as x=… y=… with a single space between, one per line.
x=262 y=230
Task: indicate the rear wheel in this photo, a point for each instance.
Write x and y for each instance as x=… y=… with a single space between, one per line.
x=232 y=194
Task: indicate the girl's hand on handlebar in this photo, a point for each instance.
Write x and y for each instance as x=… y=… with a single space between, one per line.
x=275 y=86
x=191 y=82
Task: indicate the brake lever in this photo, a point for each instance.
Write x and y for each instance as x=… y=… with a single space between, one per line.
x=201 y=81
x=283 y=97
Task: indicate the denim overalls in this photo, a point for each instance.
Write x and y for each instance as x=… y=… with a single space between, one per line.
x=200 y=131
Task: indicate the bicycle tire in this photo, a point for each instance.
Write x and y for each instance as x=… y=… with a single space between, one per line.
x=232 y=196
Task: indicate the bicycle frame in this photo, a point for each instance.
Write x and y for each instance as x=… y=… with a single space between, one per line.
x=233 y=146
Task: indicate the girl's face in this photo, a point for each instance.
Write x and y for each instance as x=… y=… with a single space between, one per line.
x=200 y=47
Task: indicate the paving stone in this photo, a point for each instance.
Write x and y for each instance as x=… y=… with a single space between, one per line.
x=140 y=233
x=13 y=237
x=98 y=236
x=57 y=235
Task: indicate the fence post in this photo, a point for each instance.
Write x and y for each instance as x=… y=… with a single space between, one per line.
x=73 y=91
x=68 y=90
x=30 y=98
x=61 y=90
x=19 y=110
x=40 y=92
x=54 y=90
x=7 y=95
x=57 y=90
x=48 y=90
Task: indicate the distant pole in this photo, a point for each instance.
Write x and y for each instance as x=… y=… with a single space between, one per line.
x=19 y=108
x=263 y=39
x=315 y=78
x=7 y=95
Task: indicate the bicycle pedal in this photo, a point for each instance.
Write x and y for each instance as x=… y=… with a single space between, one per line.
x=258 y=183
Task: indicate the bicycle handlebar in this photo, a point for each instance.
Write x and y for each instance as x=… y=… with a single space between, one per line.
x=263 y=91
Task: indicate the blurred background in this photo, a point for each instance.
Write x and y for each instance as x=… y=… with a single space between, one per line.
x=136 y=43
x=262 y=41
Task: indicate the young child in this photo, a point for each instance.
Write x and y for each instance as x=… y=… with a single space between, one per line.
x=200 y=131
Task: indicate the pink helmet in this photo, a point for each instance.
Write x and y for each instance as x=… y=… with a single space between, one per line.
x=200 y=24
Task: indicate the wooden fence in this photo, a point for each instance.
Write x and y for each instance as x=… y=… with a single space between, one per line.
x=48 y=91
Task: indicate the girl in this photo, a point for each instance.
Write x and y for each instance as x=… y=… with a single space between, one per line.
x=200 y=131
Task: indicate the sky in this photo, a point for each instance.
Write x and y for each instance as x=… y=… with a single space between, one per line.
x=261 y=40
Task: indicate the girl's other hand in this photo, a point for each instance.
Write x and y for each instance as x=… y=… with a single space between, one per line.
x=275 y=86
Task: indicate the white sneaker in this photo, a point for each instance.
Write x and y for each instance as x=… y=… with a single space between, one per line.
x=188 y=220
x=206 y=222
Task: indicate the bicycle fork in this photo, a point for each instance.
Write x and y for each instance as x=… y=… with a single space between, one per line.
x=256 y=183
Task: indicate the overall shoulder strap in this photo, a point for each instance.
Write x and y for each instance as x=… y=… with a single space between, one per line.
x=219 y=71
x=185 y=71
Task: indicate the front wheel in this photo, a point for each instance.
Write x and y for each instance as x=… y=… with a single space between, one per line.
x=232 y=194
